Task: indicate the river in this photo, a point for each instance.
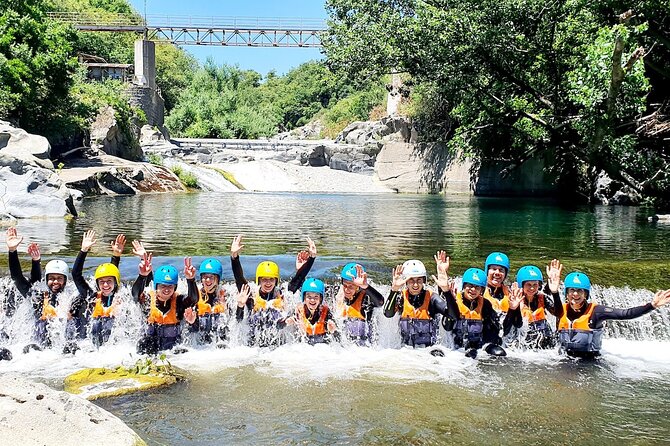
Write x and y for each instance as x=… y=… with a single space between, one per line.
x=297 y=394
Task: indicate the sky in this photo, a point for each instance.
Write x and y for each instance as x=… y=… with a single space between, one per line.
x=261 y=60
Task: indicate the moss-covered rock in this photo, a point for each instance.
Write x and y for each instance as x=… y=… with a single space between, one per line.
x=101 y=382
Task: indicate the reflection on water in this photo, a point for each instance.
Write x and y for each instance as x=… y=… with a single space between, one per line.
x=380 y=229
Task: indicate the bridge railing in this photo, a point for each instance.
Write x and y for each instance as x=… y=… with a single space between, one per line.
x=108 y=20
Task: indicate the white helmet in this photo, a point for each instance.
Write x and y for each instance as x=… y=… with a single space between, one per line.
x=56 y=267
x=413 y=268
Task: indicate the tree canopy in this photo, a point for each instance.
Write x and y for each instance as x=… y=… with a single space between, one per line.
x=578 y=83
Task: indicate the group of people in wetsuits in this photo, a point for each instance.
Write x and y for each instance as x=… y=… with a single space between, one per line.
x=485 y=313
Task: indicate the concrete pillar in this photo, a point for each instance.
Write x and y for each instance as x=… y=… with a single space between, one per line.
x=145 y=64
x=394 y=95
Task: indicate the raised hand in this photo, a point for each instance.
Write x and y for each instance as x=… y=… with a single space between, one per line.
x=361 y=279
x=34 y=251
x=301 y=259
x=311 y=247
x=443 y=262
x=398 y=280
x=190 y=315
x=222 y=297
x=332 y=328
x=145 y=264
x=13 y=239
x=515 y=296
x=138 y=248
x=243 y=295
x=189 y=269
x=236 y=246
x=661 y=298
x=444 y=283
x=554 y=270
x=118 y=245
x=88 y=241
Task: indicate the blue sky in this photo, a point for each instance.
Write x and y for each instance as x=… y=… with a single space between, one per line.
x=260 y=59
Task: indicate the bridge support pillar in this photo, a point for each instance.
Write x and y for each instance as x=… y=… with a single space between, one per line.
x=145 y=64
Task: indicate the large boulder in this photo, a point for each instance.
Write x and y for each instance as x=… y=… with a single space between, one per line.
x=32 y=413
x=609 y=191
x=18 y=142
x=109 y=136
x=389 y=129
x=28 y=190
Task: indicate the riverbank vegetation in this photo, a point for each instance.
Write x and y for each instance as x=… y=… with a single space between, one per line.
x=582 y=85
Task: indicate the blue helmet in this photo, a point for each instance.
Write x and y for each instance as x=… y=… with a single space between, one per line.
x=578 y=280
x=211 y=266
x=314 y=286
x=497 y=258
x=475 y=276
x=166 y=275
x=528 y=272
x=349 y=271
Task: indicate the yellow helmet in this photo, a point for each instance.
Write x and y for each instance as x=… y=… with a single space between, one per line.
x=267 y=269
x=108 y=270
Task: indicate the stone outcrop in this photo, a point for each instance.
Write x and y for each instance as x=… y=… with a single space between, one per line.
x=609 y=191
x=28 y=185
x=101 y=174
x=109 y=136
x=389 y=129
x=32 y=413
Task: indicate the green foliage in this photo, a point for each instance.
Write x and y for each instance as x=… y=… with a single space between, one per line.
x=155 y=159
x=187 y=178
x=515 y=79
x=174 y=72
x=152 y=366
x=227 y=102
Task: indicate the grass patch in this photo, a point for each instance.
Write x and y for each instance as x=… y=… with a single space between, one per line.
x=187 y=178
x=155 y=159
x=228 y=176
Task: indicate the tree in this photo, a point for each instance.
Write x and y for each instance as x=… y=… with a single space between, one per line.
x=512 y=80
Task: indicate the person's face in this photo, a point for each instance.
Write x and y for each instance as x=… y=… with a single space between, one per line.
x=530 y=287
x=267 y=283
x=496 y=275
x=576 y=297
x=209 y=281
x=106 y=285
x=164 y=291
x=312 y=300
x=415 y=285
x=471 y=291
x=349 y=288
x=55 y=282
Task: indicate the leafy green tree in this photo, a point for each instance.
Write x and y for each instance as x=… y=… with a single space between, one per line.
x=512 y=80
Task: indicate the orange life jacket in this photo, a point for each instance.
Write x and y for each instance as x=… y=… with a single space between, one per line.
x=156 y=316
x=581 y=323
x=205 y=308
x=409 y=312
x=319 y=328
x=353 y=310
x=101 y=311
x=48 y=310
x=501 y=305
x=466 y=312
x=261 y=304
x=537 y=315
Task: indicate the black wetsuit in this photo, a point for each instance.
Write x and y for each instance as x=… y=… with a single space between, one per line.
x=313 y=318
x=208 y=324
x=22 y=284
x=437 y=305
x=539 y=334
x=360 y=331
x=490 y=322
x=264 y=331
x=154 y=341
x=83 y=305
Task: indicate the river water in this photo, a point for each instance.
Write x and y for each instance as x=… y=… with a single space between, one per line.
x=297 y=394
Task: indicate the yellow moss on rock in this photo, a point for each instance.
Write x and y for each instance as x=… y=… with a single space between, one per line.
x=101 y=382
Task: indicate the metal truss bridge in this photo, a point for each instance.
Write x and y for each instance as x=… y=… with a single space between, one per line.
x=215 y=31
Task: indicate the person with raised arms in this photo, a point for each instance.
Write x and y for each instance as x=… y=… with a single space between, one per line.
x=44 y=303
x=581 y=320
x=529 y=304
x=313 y=318
x=211 y=312
x=470 y=317
x=417 y=305
x=497 y=292
x=355 y=301
x=166 y=308
x=267 y=308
